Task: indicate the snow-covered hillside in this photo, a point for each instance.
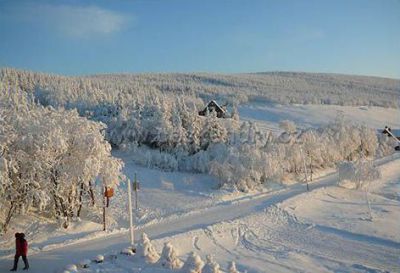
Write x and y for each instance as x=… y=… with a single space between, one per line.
x=277 y=87
x=232 y=187
x=268 y=115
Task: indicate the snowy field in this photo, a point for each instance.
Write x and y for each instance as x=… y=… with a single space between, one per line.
x=269 y=115
x=287 y=230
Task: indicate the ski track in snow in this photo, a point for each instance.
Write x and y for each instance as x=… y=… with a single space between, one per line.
x=270 y=243
x=291 y=235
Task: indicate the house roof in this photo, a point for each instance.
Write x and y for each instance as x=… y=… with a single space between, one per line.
x=217 y=105
x=395 y=132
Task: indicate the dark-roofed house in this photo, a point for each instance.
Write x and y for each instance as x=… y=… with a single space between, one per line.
x=393 y=133
x=213 y=106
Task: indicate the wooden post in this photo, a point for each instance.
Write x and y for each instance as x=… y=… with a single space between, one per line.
x=104 y=209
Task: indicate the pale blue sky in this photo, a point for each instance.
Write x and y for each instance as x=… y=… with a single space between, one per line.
x=87 y=37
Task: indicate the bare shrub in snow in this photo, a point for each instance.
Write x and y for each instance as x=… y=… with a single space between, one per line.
x=193 y=264
x=169 y=257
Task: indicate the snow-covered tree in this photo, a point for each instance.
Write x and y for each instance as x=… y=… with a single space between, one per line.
x=193 y=264
x=232 y=267
x=213 y=132
x=211 y=266
x=386 y=145
x=235 y=113
x=147 y=250
x=46 y=165
x=288 y=126
x=156 y=116
x=359 y=174
x=169 y=257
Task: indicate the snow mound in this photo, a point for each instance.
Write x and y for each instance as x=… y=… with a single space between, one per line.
x=281 y=216
x=85 y=263
x=71 y=268
x=99 y=259
x=127 y=251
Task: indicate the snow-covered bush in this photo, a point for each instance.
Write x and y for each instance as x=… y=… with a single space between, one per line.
x=211 y=266
x=193 y=264
x=169 y=257
x=147 y=250
x=232 y=267
x=254 y=158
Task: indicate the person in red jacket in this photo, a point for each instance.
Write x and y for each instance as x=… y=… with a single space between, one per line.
x=21 y=249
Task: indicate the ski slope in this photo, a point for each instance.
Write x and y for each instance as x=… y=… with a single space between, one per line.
x=361 y=248
x=268 y=115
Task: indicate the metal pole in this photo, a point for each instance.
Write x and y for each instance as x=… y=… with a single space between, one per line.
x=130 y=212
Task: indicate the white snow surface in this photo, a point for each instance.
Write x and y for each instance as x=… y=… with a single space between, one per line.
x=268 y=116
x=286 y=231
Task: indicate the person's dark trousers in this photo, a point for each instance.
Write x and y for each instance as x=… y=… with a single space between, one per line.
x=16 y=258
